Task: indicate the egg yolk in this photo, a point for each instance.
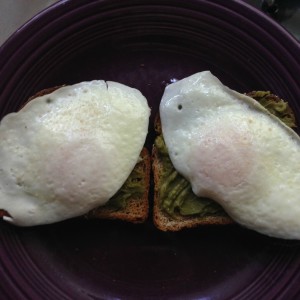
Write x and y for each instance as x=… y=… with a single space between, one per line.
x=219 y=157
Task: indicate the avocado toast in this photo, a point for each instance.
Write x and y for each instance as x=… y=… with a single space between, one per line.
x=175 y=205
x=130 y=203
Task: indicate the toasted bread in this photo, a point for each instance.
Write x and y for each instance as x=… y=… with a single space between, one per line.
x=175 y=222
x=136 y=206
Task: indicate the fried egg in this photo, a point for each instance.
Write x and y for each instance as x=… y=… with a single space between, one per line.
x=70 y=151
x=235 y=152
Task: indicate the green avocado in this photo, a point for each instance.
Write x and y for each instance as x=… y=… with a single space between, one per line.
x=132 y=188
x=175 y=192
x=275 y=106
x=176 y=195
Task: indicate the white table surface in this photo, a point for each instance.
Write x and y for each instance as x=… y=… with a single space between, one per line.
x=14 y=13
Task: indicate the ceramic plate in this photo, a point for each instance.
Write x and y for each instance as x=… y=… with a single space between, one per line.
x=146 y=45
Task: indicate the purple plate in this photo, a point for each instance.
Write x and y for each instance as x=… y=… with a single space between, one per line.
x=147 y=44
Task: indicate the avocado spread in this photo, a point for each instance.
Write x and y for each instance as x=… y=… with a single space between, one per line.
x=275 y=106
x=175 y=192
x=132 y=188
x=176 y=195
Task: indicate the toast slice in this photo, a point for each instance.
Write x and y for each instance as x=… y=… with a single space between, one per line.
x=130 y=203
x=169 y=213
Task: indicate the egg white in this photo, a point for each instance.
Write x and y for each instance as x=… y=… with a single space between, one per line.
x=232 y=150
x=70 y=151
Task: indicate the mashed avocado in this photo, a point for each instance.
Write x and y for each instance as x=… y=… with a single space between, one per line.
x=176 y=195
x=132 y=188
x=275 y=106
